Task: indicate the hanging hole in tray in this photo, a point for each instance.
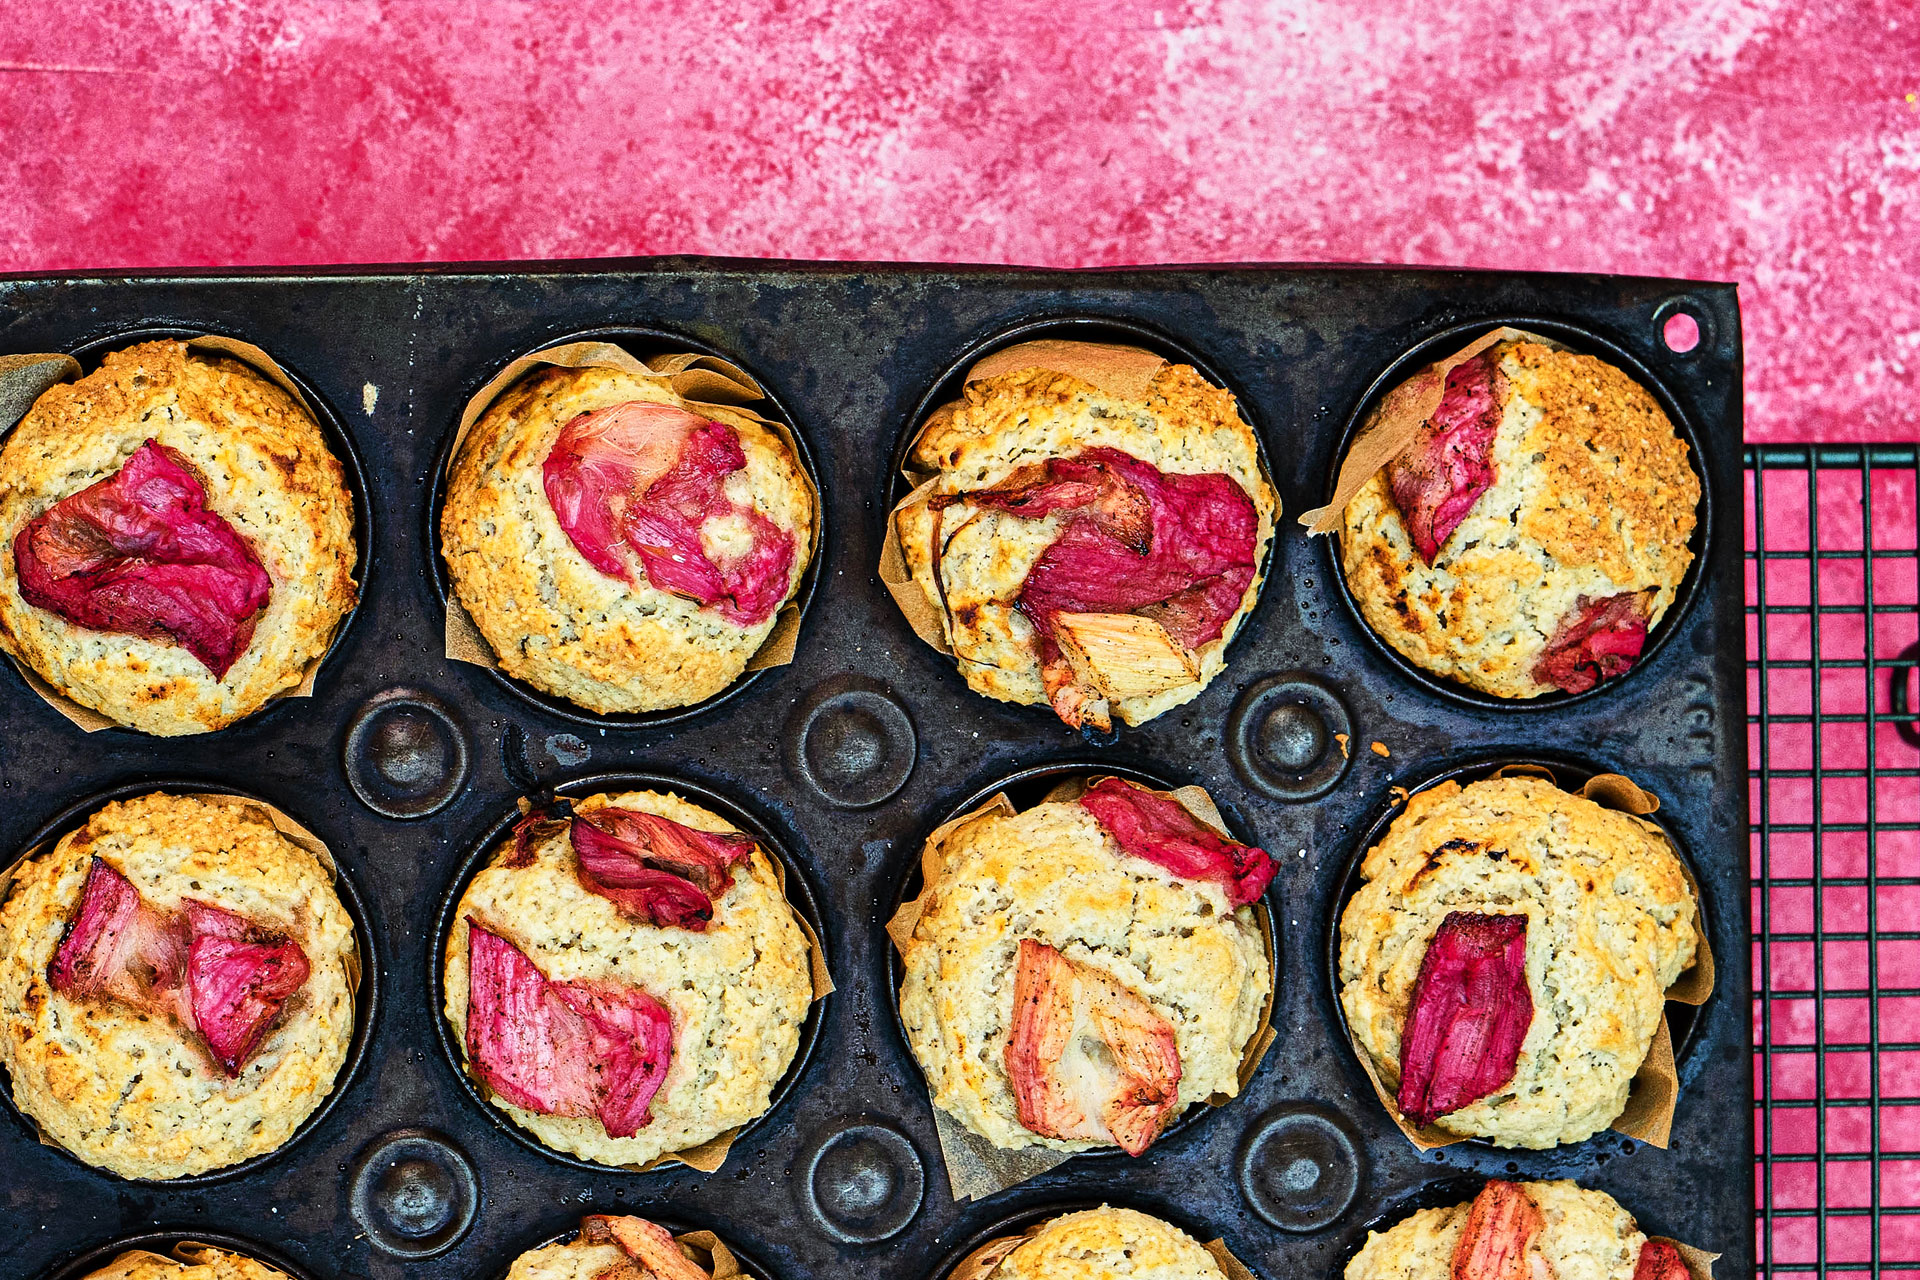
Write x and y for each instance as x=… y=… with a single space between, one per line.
x=1681 y=333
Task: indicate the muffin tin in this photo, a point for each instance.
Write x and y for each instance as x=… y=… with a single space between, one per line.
x=850 y=754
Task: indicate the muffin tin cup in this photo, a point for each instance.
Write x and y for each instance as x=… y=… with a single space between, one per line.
x=162 y=1242
x=644 y=343
x=1027 y=788
x=366 y=995
x=1580 y=339
x=1570 y=773
x=799 y=894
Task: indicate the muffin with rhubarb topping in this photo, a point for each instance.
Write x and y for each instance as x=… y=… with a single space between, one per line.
x=626 y=977
x=177 y=979
x=189 y=1261
x=1506 y=961
x=1079 y=974
x=1519 y=1231
x=1088 y=550
x=626 y=1248
x=177 y=540
x=618 y=549
x=1095 y=1244
x=1534 y=529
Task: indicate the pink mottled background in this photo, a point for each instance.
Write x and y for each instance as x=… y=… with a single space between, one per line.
x=1771 y=142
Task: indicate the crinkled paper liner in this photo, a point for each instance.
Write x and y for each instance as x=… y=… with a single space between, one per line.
x=708 y=1156
x=1119 y=370
x=706 y=384
x=285 y=825
x=1396 y=420
x=983 y=1262
x=24 y=379
x=1655 y=1090
x=190 y=1253
x=975 y=1167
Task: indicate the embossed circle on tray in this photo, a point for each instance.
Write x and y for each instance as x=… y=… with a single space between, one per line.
x=862 y=1182
x=414 y=1193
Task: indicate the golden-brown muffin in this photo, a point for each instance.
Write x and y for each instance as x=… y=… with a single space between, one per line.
x=202 y=1262
x=1104 y=1243
x=617 y=1248
x=264 y=469
x=608 y=636
x=1589 y=498
x=1583 y=1235
x=134 y=1091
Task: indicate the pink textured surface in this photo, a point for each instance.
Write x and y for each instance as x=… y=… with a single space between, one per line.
x=1771 y=142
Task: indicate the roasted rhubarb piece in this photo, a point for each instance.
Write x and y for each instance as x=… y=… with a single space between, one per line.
x=1146 y=824
x=1498 y=1241
x=139 y=554
x=653 y=868
x=117 y=947
x=239 y=977
x=1438 y=477
x=647 y=1243
x=1597 y=640
x=1088 y=1059
x=644 y=478
x=563 y=1048
x=1177 y=550
x=1660 y=1261
x=1470 y=1012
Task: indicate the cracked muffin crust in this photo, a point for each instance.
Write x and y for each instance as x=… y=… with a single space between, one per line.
x=131 y=1092
x=1052 y=875
x=1609 y=927
x=1097 y=1244
x=208 y=1263
x=1583 y=1235
x=551 y=616
x=266 y=471
x=737 y=990
x=1590 y=498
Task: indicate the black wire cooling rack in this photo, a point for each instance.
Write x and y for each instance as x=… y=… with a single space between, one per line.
x=1833 y=724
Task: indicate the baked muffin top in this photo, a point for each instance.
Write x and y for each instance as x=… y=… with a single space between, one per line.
x=1609 y=926
x=1579 y=1234
x=1016 y=904
x=635 y=601
x=235 y=624
x=121 y=1077
x=203 y=1262
x=735 y=985
x=622 y=1248
x=1097 y=1244
x=1535 y=534
x=1127 y=632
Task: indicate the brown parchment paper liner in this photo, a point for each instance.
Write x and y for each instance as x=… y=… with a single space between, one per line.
x=984 y=1261
x=1655 y=1090
x=708 y=1156
x=24 y=379
x=975 y=1167
x=704 y=382
x=285 y=825
x=1396 y=420
x=190 y=1253
x=1117 y=369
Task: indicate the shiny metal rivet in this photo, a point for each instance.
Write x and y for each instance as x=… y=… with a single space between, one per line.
x=414 y=1193
x=1301 y=1168
x=1283 y=737
x=405 y=755
x=863 y=1183
x=853 y=743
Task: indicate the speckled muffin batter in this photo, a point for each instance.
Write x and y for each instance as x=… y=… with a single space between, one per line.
x=1586 y=1236
x=1106 y=1244
x=266 y=470
x=738 y=991
x=554 y=619
x=208 y=1264
x=1592 y=497
x=1610 y=926
x=1054 y=875
x=133 y=1093
x=583 y=1259
x=1183 y=426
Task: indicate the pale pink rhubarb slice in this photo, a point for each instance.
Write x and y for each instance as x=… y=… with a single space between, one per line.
x=1470 y=1012
x=1498 y=1243
x=1597 y=640
x=139 y=554
x=1146 y=824
x=116 y=947
x=647 y=1243
x=1088 y=1059
x=642 y=479
x=239 y=978
x=563 y=1048
x=1178 y=549
x=653 y=868
x=1660 y=1261
x=1438 y=477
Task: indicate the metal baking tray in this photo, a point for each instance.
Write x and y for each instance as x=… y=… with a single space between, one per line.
x=850 y=755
